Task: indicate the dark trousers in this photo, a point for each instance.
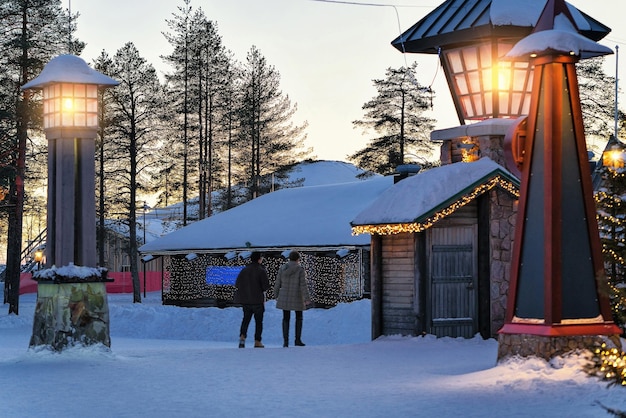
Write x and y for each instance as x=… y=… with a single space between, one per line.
x=257 y=311
x=286 y=318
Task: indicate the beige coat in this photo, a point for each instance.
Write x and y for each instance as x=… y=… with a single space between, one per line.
x=290 y=289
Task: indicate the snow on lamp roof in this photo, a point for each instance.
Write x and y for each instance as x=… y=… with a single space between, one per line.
x=69 y=69
x=557 y=32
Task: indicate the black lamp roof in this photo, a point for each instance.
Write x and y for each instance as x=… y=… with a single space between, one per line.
x=458 y=22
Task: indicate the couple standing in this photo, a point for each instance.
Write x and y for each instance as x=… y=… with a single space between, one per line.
x=290 y=290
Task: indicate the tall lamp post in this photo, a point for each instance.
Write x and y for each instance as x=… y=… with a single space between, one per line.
x=72 y=307
x=70 y=119
x=555 y=303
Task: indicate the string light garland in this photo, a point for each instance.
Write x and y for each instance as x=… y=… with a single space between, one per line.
x=609 y=364
x=611 y=214
x=330 y=279
x=399 y=228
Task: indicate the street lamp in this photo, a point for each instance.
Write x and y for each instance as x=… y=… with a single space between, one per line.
x=614 y=155
x=70 y=116
x=470 y=37
x=38 y=257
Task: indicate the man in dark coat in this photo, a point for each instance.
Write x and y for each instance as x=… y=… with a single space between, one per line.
x=251 y=284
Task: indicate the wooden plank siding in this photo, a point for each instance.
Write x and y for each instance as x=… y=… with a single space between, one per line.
x=398 y=284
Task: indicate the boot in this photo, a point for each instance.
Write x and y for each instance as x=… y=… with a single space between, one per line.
x=285 y=333
x=242 y=341
x=298 y=341
x=258 y=344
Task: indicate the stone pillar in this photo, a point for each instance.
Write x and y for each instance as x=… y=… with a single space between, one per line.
x=72 y=308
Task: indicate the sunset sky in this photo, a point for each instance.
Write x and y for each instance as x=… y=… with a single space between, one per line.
x=327 y=52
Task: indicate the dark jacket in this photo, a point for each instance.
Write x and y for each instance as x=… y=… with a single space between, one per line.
x=290 y=289
x=251 y=282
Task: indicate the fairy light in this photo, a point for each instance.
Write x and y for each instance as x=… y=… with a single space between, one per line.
x=330 y=280
x=610 y=216
x=390 y=229
x=609 y=364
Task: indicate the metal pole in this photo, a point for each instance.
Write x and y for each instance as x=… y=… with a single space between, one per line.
x=616 y=116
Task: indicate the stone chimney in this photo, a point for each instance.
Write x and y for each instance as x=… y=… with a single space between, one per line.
x=468 y=143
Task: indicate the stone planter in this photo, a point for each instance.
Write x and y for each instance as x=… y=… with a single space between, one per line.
x=72 y=308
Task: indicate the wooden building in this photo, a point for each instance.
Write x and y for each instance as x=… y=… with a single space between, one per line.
x=441 y=240
x=313 y=220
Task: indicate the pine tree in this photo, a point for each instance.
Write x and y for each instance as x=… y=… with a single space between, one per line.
x=268 y=139
x=134 y=107
x=104 y=155
x=395 y=115
x=179 y=92
x=208 y=65
x=597 y=98
x=611 y=216
x=32 y=32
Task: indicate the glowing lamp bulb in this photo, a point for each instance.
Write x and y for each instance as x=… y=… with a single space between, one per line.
x=68 y=104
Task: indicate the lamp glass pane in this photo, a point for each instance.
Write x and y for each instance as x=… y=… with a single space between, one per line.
x=516 y=102
x=67 y=90
x=503 y=103
x=474 y=81
x=92 y=105
x=92 y=119
x=470 y=58
x=80 y=90
x=92 y=91
x=487 y=79
x=526 y=104
x=461 y=84
x=456 y=64
x=80 y=119
x=519 y=80
x=467 y=107
x=485 y=56
x=79 y=105
x=488 y=109
x=67 y=119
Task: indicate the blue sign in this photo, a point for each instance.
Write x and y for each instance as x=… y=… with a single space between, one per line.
x=222 y=275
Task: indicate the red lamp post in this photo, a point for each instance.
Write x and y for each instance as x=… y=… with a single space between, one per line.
x=554 y=295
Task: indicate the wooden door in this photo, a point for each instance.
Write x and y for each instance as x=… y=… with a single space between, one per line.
x=452 y=288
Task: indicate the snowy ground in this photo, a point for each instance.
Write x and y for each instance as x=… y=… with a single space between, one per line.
x=183 y=362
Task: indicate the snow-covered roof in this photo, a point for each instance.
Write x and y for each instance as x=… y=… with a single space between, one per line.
x=160 y=221
x=316 y=173
x=418 y=198
x=315 y=216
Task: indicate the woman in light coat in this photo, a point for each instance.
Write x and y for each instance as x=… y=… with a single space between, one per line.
x=292 y=294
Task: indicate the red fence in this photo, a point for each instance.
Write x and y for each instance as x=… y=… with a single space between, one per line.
x=122 y=282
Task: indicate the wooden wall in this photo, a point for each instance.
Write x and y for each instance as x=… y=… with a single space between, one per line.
x=398 y=284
